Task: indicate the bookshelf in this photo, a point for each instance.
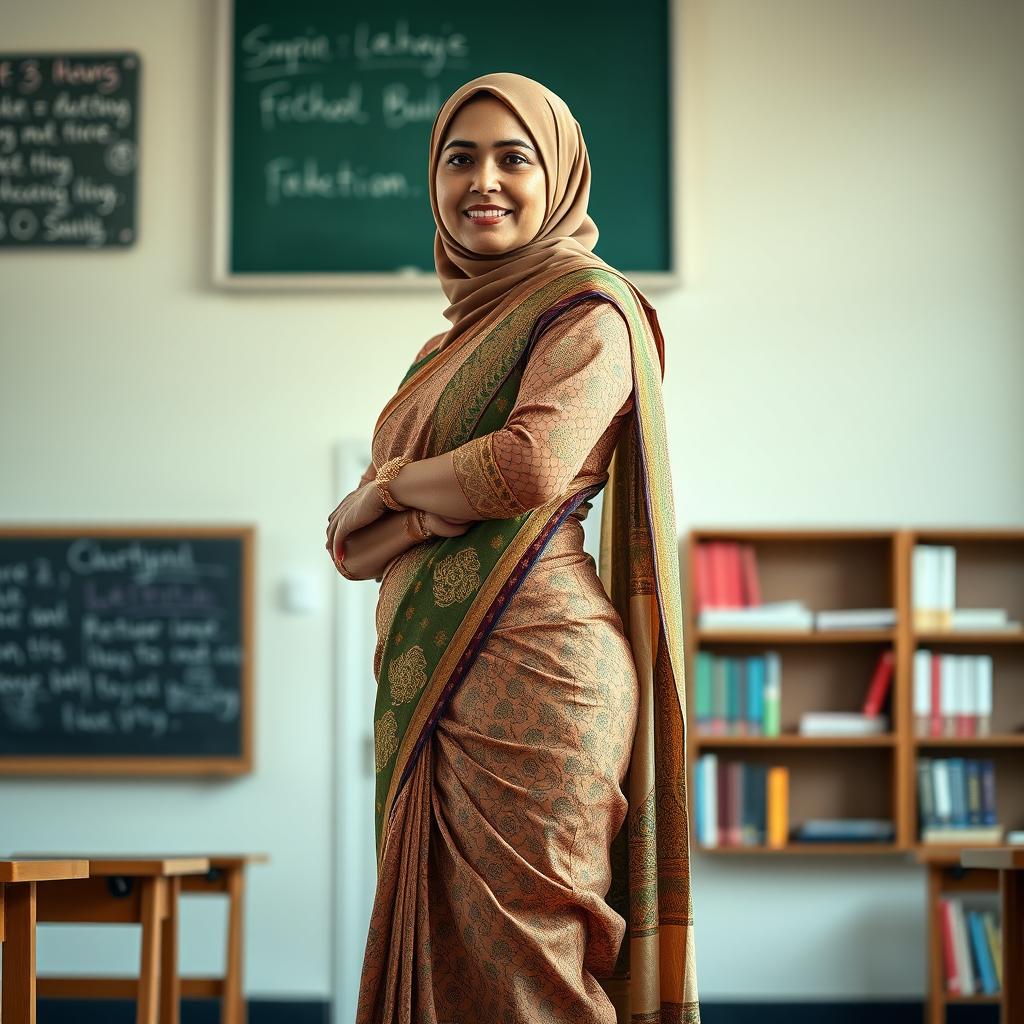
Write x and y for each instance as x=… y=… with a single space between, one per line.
x=946 y=878
x=865 y=776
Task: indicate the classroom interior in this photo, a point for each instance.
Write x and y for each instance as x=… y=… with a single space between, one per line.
x=844 y=369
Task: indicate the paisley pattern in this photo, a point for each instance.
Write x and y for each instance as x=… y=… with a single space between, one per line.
x=533 y=847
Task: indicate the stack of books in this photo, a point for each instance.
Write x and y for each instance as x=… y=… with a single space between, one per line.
x=972 y=949
x=741 y=804
x=933 y=592
x=738 y=696
x=846 y=830
x=952 y=694
x=855 y=618
x=842 y=723
x=956 y=800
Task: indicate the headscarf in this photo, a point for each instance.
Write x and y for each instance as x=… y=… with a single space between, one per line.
x=475 y=283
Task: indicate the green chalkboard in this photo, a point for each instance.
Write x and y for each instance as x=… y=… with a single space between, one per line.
x=328 y=105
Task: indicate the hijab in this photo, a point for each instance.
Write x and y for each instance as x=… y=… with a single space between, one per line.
x=475 y=283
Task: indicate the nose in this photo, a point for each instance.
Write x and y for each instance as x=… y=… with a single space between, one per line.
x=486 y=178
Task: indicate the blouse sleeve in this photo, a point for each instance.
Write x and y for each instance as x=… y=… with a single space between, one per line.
x=578 y=376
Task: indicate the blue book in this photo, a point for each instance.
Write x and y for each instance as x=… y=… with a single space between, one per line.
x=958 y=792
x=988 y=792
x=755 y=694
x=973 y=791
x=986 y=969
x=732 y=700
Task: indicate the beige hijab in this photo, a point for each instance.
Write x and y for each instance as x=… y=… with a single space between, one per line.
x=475 y=283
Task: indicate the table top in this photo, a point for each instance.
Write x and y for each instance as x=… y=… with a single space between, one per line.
x=146 y=864
x=29 y=870
x=997 y=857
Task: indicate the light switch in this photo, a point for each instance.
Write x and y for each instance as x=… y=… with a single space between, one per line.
x=300 y=592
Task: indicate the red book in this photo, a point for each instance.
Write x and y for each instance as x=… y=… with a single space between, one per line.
x=705 y=592
x=719 y=556
x=736 y=576
x=948 y=948
x=751 y=582
x=936 y=722
x=880 y=683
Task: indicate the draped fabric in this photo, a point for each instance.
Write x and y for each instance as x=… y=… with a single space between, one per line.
x=531 y=822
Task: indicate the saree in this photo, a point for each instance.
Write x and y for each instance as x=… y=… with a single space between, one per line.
x=441 y=604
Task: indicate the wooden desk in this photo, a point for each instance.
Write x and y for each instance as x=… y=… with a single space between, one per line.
x=221 y=873
x=18 y=893
x=126 y=890
x=1009 y=862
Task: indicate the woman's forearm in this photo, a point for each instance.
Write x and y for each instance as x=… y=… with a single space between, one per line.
x=369 y=549
x=431 y=484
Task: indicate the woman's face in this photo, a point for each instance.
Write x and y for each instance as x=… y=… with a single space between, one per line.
x=488 y=159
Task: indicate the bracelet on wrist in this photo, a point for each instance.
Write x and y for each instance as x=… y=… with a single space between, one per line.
x=385 y=475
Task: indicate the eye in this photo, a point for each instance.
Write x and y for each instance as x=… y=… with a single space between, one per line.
x=520 y=160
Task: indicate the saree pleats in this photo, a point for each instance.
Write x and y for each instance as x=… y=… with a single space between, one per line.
x=533 y=842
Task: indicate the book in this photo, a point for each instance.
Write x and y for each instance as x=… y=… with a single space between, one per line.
x=842 y=723
x=962 y=948
x=772 y=716
x=985 y=969
x=846 y=830
x=949 y=957
x=855 y=618
x=778 y=807
x=788 y=615
x=984 y=835
x=881 y=682
x=993 y=933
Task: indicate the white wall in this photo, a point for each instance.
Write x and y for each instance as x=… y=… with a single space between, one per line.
x=849 y=349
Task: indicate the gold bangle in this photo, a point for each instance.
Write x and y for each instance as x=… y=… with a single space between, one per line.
x=421 y=521
x=385 y=475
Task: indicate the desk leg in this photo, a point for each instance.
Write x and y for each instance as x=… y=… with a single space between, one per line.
x=154 y=908
x=170 y=983
x=1011 y=884
x=19 y=954
x=233 y=1004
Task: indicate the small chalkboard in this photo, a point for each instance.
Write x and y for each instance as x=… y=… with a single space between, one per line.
x=69 y=128
x=126 y=651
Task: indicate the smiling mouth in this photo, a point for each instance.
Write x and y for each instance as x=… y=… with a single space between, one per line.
x=487 y=216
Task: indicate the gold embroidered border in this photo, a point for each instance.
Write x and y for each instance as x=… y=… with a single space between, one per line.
x=477 y=472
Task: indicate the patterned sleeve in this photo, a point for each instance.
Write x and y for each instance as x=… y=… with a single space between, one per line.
x=576 y=379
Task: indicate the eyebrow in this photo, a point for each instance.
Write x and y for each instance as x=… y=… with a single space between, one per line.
x=497 y=145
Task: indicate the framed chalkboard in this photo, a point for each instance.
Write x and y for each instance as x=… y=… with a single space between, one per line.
x=69 y=130
x=324 y=116
x=126 y=650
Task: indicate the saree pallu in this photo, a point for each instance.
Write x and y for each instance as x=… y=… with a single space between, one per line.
x=516 y=899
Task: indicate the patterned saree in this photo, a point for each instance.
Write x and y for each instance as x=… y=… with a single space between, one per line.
x=452 y=595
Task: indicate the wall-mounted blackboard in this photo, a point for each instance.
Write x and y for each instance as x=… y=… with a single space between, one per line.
x=69 y=128
x=126 y=651
x=325 y=115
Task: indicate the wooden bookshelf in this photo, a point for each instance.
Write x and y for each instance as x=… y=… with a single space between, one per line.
x=830 y=671
x=989 y=573
x=947 y=877
x=829 y=777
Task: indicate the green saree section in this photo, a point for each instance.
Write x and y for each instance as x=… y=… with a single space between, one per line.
x=459 y=576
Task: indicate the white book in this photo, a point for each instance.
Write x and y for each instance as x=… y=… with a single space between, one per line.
x=979 y=618
x=947 y=587
x=963 y=835
x=842 y=723
x=918 y=577
x=983 y=674
x=963 y=948
x=922 y=684
x=855 y=618
x=754 y=618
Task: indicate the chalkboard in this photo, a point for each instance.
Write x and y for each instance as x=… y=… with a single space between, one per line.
x=126 y=650
x=325 y=115
x=69 y=128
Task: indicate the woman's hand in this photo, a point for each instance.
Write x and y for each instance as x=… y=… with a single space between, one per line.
x=358 y=509
x=444 y=526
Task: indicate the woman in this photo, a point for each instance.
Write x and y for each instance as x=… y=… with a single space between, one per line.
x=517 y=702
